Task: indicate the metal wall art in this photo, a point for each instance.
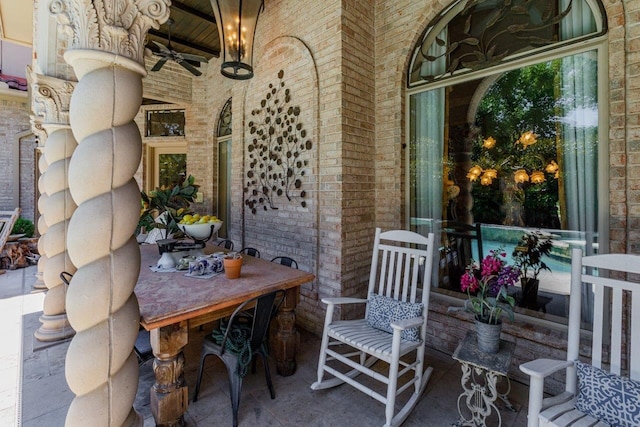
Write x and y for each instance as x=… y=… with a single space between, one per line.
x=276 y=151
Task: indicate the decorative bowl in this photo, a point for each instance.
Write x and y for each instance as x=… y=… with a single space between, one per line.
x=200 y=231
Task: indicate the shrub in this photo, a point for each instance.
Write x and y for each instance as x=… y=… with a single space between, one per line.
x=23 y=226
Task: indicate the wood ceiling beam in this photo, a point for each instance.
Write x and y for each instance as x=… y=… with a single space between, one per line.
x=191 y=11
x=185 y=43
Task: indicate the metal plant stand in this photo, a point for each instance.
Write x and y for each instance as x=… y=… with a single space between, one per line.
x=481 y=373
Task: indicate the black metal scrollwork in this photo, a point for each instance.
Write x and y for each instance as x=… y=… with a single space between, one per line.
x=276 y=151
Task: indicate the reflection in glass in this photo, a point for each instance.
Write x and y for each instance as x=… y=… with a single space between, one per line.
x=172 y=169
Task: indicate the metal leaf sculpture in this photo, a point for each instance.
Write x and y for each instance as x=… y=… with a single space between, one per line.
x=276 y=151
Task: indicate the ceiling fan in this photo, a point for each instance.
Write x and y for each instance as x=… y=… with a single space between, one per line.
x=168 y=53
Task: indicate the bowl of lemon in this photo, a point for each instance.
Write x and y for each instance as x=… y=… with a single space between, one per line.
x=200 y=227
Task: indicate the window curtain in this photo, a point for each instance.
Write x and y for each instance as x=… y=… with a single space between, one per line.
x=579 y=131
x=427 y=137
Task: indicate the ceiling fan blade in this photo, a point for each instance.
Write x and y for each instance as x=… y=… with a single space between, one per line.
x=162 y=47
x=196 y=58
x=159 y=64
x=189 y=67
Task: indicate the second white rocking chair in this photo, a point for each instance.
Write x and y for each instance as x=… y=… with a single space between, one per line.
x=394 y=325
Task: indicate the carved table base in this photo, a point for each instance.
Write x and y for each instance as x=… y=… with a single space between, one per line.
x=169 y=394
x=480 y=375
x=287 y=337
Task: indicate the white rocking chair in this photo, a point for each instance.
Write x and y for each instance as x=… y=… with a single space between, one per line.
x=394 y=325
x=590 y=391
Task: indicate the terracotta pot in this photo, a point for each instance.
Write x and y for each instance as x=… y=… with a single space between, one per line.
x=232 y=267
x=488 y=336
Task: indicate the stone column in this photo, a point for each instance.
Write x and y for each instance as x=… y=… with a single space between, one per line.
x=42 y=225
x=107 y=56
x=50 y=106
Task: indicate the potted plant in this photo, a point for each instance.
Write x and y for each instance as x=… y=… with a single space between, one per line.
x=488 y=298
x=164 y=207
x=528 y=258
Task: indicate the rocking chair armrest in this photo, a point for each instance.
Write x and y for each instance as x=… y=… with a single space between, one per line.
x=343 y=300
x=538 y=370
x=407 y=323
x=542 y=368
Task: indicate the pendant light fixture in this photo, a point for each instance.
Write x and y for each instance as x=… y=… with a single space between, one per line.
x=236 y=20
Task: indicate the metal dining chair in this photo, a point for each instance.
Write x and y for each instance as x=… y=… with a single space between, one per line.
x=239 y=341
x=250 y=251
x=226 y=243
x=285 y=260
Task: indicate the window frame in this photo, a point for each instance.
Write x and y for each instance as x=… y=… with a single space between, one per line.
x=153 y=152
x=598 y=43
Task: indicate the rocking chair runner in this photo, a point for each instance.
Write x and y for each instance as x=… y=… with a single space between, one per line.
x=394 y=325
x=595 y=396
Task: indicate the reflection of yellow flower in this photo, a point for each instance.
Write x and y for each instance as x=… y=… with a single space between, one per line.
x=474 y=173
x=528 y=138
x=453 y=191
x=491 y=173
x=521 y=176
x=537 y=177
x=486 y=180
x=489 y=143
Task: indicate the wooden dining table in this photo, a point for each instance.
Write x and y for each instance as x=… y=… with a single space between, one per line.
x=171 y=303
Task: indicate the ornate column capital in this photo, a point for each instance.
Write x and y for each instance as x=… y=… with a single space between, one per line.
x=116 y=26
x=50 y=99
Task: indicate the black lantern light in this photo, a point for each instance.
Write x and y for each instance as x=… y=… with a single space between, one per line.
x=237 y=21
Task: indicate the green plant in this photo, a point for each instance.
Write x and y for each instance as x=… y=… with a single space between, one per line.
x=528 y=254
x=23 y=226
x=174 y=201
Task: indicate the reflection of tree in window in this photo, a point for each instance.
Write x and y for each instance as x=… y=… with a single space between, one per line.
x=520 y=105
x=172 y=169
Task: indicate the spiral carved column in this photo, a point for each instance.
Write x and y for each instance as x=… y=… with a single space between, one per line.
x=50 y=99
x=58 y=208
x=101 y=366
x=42 y=225
x=107 y=57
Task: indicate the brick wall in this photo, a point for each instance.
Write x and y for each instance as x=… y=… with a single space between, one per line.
x=359 y=157
x=345 y=62
x=176 y=88
x=399 y=24
x=360 y=54
x=15 y=134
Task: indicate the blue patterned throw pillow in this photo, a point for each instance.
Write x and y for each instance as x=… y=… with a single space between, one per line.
x=384 y=310
x=608 y=397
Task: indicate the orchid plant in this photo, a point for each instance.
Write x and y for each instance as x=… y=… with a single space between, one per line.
x=487 y=284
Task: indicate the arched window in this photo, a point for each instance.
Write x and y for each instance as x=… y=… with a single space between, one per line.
x=506 y=130
x=224 y=167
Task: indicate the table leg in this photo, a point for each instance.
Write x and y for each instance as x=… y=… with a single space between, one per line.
x=169 y=394
x=287 y=337
x=478 y=396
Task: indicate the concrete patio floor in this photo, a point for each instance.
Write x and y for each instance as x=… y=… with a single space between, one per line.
x=34 y=392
